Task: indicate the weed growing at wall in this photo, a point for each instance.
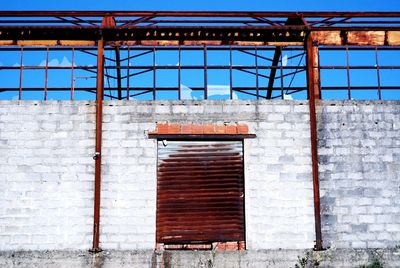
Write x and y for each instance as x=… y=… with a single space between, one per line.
x=302 y=261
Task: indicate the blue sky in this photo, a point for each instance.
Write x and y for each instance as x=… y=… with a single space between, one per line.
x=220 y=5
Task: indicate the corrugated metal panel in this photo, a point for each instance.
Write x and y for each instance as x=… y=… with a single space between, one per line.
x=200 y=191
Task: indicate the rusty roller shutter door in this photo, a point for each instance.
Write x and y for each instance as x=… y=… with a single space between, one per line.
x=200 y=192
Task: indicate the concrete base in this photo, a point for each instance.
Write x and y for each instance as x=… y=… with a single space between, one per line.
x=206 y=259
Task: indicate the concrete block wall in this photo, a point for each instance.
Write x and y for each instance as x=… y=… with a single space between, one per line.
x=46 y=175
x=277 y=215
x=47 y=172
x=359 y=163
x=129 y=180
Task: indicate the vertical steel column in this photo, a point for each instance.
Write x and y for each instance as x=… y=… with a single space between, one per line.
x=179 y=73
x=72 y=75
x=46 y=74
x=230 y=73
x=281 y=74
x=21 y=68
x=313 y=84
x=205 y=73
x=154 y=73
x=348 y=74
x=378 y=73
x=256 y=63
x=119 y=79
x=127 y=74
x=97 y=155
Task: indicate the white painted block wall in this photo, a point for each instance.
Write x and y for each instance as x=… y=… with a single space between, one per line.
x=47 y=172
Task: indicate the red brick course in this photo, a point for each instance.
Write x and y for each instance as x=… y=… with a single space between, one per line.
x=198 y=129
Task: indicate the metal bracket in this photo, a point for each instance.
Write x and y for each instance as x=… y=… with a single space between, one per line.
x=96 y=155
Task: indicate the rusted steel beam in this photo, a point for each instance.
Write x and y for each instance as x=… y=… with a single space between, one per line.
x=292 y=35
x=313 y=94
x=97 y=156
x=357 y=38
x=275 y=60
x=118 y=65
x=43 y=43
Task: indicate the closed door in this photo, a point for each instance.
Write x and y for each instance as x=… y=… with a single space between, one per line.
x=200 y=192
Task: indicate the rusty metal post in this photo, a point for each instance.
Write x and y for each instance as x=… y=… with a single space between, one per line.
x=256 y=63
x=179 y=74
x=46 y=73
x=128 y=78
x=154 y=73
x=348 y=74
x=230 y=73
x=313 y=83
x=205 y=73
x=97 y=155
x=378 y=76
x=21 y=68
x=119 y=79
x=72 y=75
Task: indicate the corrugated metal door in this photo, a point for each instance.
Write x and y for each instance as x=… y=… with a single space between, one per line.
x=200 y=192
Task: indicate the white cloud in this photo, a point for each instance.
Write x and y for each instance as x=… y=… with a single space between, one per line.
x=221 y=90
x=186 y=93
x=66 y=62
x=284 y=60
x=287 y=97
x=212 y=90
x=55 y=62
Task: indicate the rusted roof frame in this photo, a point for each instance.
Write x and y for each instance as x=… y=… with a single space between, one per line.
x=278 y=54
x=305 y=14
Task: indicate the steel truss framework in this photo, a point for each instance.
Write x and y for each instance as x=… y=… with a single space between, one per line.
x=305 y=33
x=130 y=35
